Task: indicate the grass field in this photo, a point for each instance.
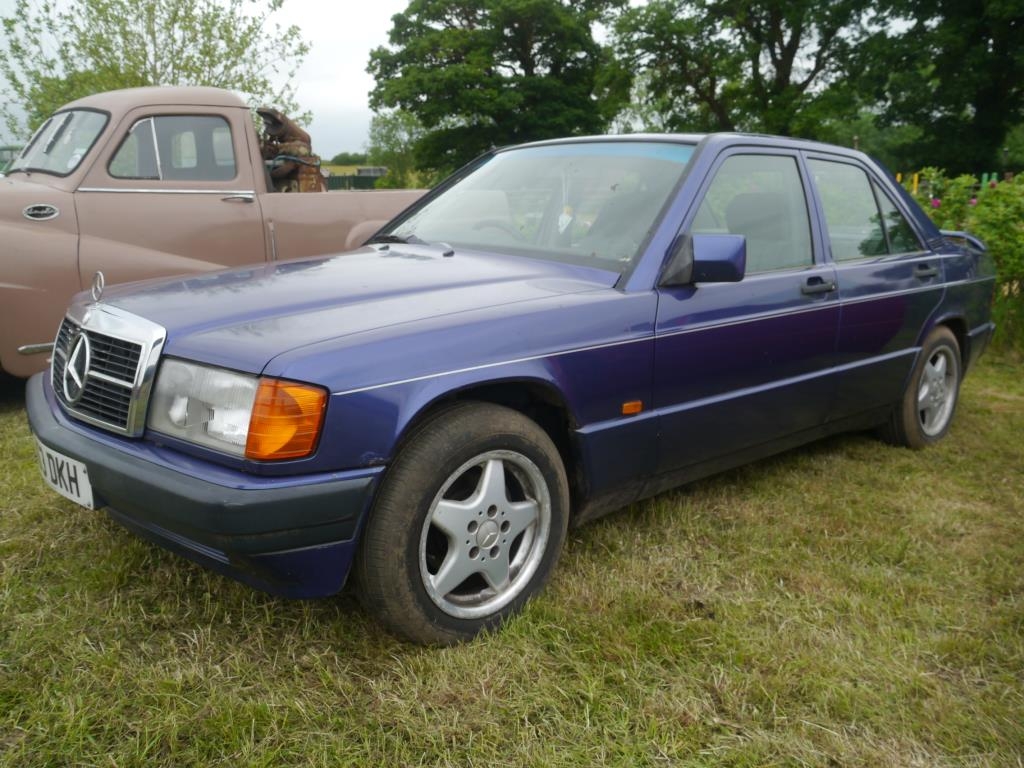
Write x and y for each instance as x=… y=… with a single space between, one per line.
x=847 y=604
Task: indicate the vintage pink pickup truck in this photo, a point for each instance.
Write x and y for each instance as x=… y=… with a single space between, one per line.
x=148 y=182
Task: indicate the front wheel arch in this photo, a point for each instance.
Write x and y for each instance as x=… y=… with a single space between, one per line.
x=537 y=399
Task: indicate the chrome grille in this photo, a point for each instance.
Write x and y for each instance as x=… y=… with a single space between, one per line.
x=116 y=369
x=114 y=357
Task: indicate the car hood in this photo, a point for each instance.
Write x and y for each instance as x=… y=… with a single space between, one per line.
x=243 y=318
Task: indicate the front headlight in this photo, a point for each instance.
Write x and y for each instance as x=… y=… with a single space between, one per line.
x=238 y=414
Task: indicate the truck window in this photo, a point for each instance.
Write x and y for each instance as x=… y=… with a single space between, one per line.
x=176 y=148
x=61 y=143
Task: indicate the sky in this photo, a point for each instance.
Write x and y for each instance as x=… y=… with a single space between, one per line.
x=332 y=82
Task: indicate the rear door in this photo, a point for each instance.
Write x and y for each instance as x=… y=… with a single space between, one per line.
x=740 y=365
x=889 y=283
x=173 y=193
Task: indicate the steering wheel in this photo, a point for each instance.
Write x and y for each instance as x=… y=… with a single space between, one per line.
x=498 y=224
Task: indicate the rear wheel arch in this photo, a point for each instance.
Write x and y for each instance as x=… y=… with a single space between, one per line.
x=957 y=325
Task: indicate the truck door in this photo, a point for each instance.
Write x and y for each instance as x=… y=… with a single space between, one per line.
x=173 y=192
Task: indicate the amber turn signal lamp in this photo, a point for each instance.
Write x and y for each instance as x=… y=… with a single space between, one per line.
x=286 y=420
x=632 y=408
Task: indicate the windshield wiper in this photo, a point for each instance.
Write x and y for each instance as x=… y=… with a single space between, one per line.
x=397 y=239
x=57 y=134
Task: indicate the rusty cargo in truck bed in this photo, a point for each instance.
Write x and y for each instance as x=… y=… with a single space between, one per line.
x=148 y=182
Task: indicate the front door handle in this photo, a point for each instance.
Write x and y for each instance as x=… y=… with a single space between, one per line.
x=239 y=199
x=923 y=271
x=817 y=285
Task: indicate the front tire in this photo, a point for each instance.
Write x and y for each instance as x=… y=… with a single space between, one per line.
x=926 y=410
x=467 y=525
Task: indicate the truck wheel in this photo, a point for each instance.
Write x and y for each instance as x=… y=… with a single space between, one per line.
x=924 y=414
x=467 y=525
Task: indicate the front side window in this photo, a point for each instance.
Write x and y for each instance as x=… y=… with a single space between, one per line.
x=862 y=221
x=591 y=203
x=176 y=148
x=760 y=197
x=61 y=143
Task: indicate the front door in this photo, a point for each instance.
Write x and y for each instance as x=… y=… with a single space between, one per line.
x=743 y=365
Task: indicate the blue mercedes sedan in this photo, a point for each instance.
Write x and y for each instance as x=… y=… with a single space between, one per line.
x=556 y=331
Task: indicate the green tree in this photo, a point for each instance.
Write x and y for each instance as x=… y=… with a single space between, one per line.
x=887 y=144
x=393 y=139
x=62 y=51
x=484 y=73
x=778 y=66
x=349 y=158
x=956 y=71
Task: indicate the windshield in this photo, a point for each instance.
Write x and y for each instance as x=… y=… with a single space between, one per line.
x=592 y=203
x=61 y=142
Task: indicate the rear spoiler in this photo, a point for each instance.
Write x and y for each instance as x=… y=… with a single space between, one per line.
x=964 y=240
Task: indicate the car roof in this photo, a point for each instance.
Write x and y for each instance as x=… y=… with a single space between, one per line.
x=718 y=139
x=128 y=98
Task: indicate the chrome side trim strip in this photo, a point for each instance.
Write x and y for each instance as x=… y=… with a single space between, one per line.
x=599 y=426
x=694 y=329
x=904 y=292
x=736 y=393
x=120 y=191
x=485 y=366
x=750 y=319
x=35 y=349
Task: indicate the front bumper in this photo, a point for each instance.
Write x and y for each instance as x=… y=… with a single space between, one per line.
x=290 y=536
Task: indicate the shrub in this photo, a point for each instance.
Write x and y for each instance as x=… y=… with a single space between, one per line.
x=995 y=213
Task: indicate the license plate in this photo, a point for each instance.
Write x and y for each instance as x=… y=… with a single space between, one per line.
x=66 y=476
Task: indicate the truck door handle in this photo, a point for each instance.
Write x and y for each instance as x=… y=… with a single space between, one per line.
x=239 y=199
x=817 y=285
x=925 y=270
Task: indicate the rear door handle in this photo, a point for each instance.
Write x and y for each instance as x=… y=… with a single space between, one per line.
x=239 y=199
x=925 y=270
x=817 y=285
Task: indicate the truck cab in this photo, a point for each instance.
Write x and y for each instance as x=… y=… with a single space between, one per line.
x=151 y=182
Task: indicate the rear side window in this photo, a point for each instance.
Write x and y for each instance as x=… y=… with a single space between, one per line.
x=760 y=197
x=902 y=238
x=176 y=148
x=862 y=221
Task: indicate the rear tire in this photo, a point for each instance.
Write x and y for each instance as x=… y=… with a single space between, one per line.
x=926 y=409
x=467 y=525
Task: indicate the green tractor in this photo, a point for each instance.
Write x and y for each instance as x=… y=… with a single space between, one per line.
x=8 y=153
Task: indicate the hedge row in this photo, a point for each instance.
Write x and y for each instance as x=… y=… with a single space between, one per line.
x=995 y=213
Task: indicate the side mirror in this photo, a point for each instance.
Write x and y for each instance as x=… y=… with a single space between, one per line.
x=707 y=259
